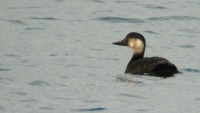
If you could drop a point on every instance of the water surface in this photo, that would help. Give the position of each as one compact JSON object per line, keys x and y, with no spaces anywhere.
{"x":57,"y":56}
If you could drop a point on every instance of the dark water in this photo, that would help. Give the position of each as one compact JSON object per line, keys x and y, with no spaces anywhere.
{"x":57,"y":56}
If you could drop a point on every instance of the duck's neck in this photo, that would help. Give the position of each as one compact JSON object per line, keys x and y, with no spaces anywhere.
{"x":133,"y":59}
{"x":136,"y":57}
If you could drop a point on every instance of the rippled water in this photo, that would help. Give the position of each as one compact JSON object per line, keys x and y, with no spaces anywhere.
{"x":56,"y":56}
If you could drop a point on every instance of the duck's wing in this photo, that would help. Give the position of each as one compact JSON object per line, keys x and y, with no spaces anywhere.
{"x":154,"y":62}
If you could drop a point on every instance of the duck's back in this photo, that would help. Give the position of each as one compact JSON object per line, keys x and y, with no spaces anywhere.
{"x":154,"y":66}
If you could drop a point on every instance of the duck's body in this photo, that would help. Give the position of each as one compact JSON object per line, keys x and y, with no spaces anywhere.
{"x":153,"y":66}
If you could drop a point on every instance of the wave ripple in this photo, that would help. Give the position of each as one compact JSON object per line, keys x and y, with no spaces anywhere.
{"x":173,"y":18}
{"x":119,"y":20}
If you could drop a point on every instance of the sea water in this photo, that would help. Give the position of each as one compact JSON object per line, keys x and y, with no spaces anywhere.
{"x":56,"y":56}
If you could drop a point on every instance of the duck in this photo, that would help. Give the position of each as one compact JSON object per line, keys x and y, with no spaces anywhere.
{"x":140,"y":65}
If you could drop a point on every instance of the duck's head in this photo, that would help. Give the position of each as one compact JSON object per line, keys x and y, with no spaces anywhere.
{"x":135,"y":41}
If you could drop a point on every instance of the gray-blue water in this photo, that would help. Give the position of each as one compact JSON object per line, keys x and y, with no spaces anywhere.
{"x":56,"y":56}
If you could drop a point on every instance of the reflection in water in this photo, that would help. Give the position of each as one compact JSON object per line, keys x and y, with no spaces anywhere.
{"x":128,"y":79}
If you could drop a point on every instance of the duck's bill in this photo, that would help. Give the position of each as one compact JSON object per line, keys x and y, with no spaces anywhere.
{"x":121,"y":43}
